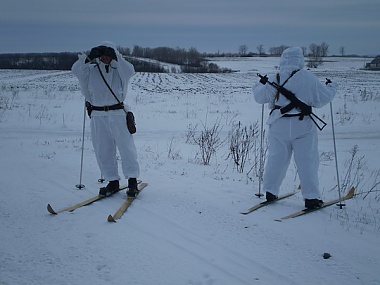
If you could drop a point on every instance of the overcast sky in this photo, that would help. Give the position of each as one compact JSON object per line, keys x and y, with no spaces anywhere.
{"x":208,"y":25}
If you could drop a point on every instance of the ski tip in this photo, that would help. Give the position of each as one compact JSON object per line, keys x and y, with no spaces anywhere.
{"x":111,"y":219}
{"x":351,"y":193}
{"x":51,"y":210}
{"x":143,"y":184}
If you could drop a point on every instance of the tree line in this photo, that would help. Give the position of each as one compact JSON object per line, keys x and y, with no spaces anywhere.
{"x":188,"y":61}
{"x":321,"y":50}
{"x":315,"y":54}
{"x":178,"y":56}
{"x":38,"y":61}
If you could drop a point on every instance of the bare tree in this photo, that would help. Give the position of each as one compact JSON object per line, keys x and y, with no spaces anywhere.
{"x":124,"y":50}
{"x":260,"y":49}
{"x":315,"y":56}
{"x":138,"y":51}
{"x":243,"y":49}
{"x":304,"y":49}
{"x":342,"y":51}
{"x":324,"y":49}
{"x":314,"y":50}
{"x":277,"y":50}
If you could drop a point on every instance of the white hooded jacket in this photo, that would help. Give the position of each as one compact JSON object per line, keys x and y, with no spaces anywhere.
{"x":304,"y":84}
{"x":117,"y":75}
{"x":289,"y":136}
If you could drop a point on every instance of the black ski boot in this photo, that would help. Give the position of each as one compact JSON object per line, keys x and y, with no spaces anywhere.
{"x":111,"y":188}
{"x":132,"y":188}
{"x":313,"y":203}
{"x":270,"y":197}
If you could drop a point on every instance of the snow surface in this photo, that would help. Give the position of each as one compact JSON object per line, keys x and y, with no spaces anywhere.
{"x":186,"y":226}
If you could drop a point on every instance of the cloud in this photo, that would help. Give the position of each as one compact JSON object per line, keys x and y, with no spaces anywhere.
{"x":215,"y":24}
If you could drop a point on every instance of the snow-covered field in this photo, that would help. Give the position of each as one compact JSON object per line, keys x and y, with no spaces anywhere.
{"x":186,"y":226}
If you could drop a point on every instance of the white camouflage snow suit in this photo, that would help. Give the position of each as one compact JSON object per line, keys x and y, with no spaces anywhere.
{"x":108,"y":128}
{"x":288,"y":135}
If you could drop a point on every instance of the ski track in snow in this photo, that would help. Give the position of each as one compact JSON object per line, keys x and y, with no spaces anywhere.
{"x":185,"y":227}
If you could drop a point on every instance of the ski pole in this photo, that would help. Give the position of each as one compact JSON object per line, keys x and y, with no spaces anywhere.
{"x":80,"y":185}
{"x":101,"y":179}
{"x":261,"y":151}
{"x":341,"y":205}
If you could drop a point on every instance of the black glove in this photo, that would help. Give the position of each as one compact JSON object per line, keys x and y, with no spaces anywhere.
{"x":97,"y":52}
{"x":94,"y":53}
{"x":263,"y":79}
{"x":110,"y":52}
{"x":328,"y":81}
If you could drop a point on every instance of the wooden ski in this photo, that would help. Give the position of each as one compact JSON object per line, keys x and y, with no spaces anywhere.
{"x":123,"y":208}
{"x":349,"y":195}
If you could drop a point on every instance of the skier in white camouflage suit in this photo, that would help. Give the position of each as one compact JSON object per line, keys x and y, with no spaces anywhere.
{"x":291,"y":132}
{"x":109,"y":130}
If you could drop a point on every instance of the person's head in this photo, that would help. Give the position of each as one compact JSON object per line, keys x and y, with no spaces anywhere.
{"x":292,"y":59}
{"x":109,"y":52}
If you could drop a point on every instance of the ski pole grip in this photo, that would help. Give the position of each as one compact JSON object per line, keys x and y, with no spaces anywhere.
{"x":263,"y":79}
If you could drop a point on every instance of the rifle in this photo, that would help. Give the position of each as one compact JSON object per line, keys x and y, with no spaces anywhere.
{"x":305,"y":110}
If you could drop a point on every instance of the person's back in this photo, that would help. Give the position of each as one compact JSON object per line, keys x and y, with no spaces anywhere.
{"x":292,"y":131}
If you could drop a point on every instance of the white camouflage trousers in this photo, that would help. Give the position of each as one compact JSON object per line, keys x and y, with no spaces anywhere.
{"x":289,"y":136}
{"x":110,"y":133}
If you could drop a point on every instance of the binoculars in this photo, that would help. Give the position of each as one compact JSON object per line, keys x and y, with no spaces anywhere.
{"x":102,"y":50}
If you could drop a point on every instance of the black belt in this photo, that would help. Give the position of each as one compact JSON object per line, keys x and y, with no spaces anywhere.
{"x":300,"y":115}
{"x":285,"y":109}
{"x":108,"y":108}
